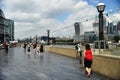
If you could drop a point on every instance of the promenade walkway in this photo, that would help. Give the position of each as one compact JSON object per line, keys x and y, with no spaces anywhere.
{"x":18,"y":65}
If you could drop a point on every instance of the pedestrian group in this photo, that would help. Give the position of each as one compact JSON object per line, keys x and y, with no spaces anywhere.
{"x":38,"y":48}
{"x":87,"y":56}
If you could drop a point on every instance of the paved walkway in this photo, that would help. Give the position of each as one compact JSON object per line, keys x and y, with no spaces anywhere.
{"x":18,"y":65}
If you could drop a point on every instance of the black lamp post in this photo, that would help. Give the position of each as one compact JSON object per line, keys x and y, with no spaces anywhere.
{"x":36,"y":39}
{"x":100,"y":8}
{"x":48,"y":32}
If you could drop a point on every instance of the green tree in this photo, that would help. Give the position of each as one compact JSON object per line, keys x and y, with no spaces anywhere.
{"x":116,"y":38}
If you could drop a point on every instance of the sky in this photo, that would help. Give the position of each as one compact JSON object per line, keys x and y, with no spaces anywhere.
{"x":35,"y":17}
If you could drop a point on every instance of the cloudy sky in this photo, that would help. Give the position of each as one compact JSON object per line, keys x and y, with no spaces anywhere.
{"x":34,"y":17}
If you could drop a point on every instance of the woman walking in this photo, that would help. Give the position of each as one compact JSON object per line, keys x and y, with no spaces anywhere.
{"x":38,"y":49}
{"x":87,"y":59}
{"x":41,"y":48}
{"x":28,"y":48}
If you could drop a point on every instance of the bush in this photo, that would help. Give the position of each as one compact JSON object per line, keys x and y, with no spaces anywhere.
{"x":116,"y":38}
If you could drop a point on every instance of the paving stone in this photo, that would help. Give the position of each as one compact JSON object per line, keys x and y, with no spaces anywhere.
{"x":18,"y":65}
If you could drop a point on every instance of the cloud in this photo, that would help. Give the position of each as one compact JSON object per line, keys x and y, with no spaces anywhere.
{"x":95,"y":1}
{"x":34,"y":17}
{"x":116,"y":17}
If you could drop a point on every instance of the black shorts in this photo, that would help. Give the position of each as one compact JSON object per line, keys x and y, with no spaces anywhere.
{"x":87,"y":63}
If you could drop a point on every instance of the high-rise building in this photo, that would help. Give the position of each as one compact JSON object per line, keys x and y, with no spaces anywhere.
{"x":115,"y":28}
{"x":11,"y":29}
{"x":96,"y":27}
{"x":118,"y":25}
{"x":5,"y":28}
{"x":110,"y":28}
{"x":77,"y":31}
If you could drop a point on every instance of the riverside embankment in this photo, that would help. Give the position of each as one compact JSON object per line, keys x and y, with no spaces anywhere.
{"x":104,"y":64}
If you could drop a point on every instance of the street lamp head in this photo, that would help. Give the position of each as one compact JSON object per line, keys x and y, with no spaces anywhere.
{"x":100,"y":7}
{"x":48,"y":30}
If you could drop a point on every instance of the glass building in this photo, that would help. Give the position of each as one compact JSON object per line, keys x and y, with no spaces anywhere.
{"x":11,"y":29}
{"x":78,"y":32}
{"x":5,"y":28}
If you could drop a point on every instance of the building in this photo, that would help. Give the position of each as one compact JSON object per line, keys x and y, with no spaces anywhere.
{"x":78,"y":32}
{"x":118,"y":24}
{"x":89,"y":36}
{"x":96,"y":27}
{"x":3,"y":27}
{"x":110,"y":29}
{"x":6,"y":28}
{"x":11,"y":29}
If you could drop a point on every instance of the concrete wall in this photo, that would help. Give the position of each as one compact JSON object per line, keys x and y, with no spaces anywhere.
{"x":108,"y":66}
{"x":62,"y":51}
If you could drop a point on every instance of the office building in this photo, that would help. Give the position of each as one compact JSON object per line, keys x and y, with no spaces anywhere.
{"x":11,"y":29}
{"x":78,"y":32}
{"x":6,"y":28}
{"x":118,"y":25}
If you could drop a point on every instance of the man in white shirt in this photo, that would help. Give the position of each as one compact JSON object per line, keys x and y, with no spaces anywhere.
{"x":79,"y":52}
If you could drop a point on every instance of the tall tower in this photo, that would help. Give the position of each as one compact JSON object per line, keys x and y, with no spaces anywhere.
{"x":118,"y":24}
{"x":77,"y":31}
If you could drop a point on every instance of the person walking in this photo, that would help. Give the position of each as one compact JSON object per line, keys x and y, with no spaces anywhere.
{"x":38,"y":49}
{"x":25,"y":45}
{"x":28,"y":48}
{"x":6,"y":47}
{"x":79,"y":52}
{"x":41,"y":48}
{"x":87,"y":59}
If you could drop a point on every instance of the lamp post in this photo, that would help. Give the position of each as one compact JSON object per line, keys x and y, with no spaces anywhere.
{"x":30,"y":39}
{"x":48,"y":33}
{"x":100,"y":8}
{"x":36,"y":39}
{"x":4,"y":34}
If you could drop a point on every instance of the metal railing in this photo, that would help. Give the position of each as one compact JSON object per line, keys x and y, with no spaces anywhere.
{"x":107,"y":49}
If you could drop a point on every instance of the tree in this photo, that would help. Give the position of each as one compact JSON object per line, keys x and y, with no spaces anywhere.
{"x":116,"y":38}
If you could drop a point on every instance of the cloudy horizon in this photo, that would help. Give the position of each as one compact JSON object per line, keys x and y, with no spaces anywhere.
{"x":34,"y":17}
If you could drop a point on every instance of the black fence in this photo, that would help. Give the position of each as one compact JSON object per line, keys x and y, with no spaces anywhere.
{"x":101,"y":45}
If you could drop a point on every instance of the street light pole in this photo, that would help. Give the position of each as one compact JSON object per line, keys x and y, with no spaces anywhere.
{"x":100,"y":8}
{"x":48,"y":33}
{"x":36,"y":39}
{"x":30,"y":39}
{"x":4,"y":34}
{"x":101,"y":34}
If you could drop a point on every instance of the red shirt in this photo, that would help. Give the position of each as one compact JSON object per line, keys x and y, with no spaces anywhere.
{"x":88,"y":54}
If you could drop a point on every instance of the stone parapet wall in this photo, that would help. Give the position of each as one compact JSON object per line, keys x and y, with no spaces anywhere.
{"x":63,"y":51}
{"x":107,"y":65}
